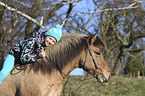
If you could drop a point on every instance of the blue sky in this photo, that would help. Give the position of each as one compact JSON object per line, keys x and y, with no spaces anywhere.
{"x":78,"y":71}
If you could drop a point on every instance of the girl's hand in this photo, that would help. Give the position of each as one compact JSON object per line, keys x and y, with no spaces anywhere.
{"x":42,"y":54}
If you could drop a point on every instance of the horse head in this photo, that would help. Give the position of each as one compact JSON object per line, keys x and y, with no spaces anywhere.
{"x":93,"y":61}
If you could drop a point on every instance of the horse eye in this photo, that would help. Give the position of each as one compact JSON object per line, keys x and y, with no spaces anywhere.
{"x":98,"y":53}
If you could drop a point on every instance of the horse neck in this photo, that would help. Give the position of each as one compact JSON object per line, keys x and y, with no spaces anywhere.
{"x":72,"y":64}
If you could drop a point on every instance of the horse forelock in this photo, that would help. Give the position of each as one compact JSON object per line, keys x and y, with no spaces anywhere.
{"x":61,"y":53}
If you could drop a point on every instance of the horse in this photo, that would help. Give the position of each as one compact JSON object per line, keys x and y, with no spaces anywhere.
{"x":45,"y":77}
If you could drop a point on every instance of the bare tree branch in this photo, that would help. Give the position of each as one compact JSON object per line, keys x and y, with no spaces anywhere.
{"x":40,"y":24}
{"x":22,"y":3}
{"x":134,"y":50}
{"x":131,"y":6}
{"x":135,"y":58}
{"x":21,"y":13}
{"x":140,"y":1}
{"x":68,"y":13}
{"x":63,"y":2}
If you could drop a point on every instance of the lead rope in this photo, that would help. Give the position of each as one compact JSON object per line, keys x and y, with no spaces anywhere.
{"x":19,"y":70}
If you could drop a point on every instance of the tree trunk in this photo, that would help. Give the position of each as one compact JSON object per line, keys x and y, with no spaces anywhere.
{"x":117,"y":67}
{"x":117,"y":64}
{"x":2,"y":13}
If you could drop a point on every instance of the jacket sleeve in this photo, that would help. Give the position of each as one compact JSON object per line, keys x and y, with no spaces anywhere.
{"x":28,"y":55}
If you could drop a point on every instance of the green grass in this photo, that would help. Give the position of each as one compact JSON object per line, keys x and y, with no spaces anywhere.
{"x":117,"y":86}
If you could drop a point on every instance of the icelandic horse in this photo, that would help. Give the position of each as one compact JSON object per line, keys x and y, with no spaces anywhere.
{"x":45,"y":77}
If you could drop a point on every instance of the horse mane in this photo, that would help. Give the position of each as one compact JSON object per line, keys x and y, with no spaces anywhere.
{"x":61,"y":53}
{"x":70,"y":46}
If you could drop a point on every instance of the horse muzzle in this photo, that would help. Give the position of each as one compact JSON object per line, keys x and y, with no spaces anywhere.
{"x":101,"y":78}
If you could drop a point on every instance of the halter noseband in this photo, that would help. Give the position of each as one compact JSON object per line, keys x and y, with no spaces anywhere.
{"x":101,"y":73}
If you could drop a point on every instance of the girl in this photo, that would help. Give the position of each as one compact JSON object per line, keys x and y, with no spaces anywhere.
{"x":30,"y":50}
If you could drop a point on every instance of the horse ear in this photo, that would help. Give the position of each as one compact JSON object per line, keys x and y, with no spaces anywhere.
{"x":94,"y":38}
{"x":99,"y":43}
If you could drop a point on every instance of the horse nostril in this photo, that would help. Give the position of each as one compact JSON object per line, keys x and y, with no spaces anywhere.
{"x":106,"y":80}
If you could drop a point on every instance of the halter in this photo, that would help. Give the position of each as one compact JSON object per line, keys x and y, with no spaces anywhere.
{"x":101,"y":73}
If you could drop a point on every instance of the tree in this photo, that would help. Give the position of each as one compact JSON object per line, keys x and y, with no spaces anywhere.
{"x":134,"y":62}
{"x":121,"y":29}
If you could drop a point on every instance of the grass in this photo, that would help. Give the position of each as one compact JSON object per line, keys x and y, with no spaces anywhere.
{"x":117,"y":86}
